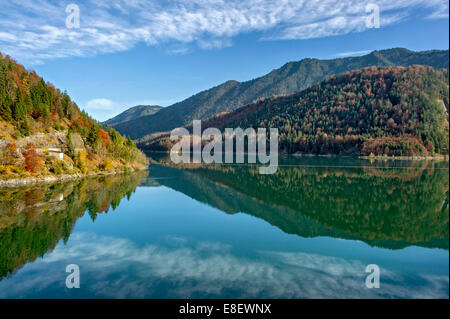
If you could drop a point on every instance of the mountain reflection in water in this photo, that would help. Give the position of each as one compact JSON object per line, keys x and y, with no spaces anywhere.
{"x":225,"y":231}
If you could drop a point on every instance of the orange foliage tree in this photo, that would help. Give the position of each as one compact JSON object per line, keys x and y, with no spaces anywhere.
{"x":103,"y":135}
{"x":33,"y":162}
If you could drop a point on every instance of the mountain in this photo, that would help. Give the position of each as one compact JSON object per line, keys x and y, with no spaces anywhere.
{"x":380,"y":111}
{"x":133,"y":113}
{"x":43,"y":132}
{"x":290,"y":78}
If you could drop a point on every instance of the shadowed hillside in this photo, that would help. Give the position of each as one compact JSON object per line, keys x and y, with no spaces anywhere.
{"x":133,"y":113}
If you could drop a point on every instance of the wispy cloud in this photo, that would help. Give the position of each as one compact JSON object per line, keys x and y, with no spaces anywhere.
{"x":352,"y":53}
{"x":101,"y":104}
{"x":35,"y":31}
{"x":102,"y":108}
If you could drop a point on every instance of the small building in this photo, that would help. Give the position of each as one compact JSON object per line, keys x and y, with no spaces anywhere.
{"x":56,"y":152}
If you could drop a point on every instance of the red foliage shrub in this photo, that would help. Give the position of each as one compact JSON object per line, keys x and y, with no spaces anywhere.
{"x":103,"y":135}
{"x":33,"y":162}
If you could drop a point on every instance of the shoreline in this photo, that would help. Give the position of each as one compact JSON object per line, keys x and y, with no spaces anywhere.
{"x":377,"y":157}
{"x":414,"y":158}
{"x":25,"y":181}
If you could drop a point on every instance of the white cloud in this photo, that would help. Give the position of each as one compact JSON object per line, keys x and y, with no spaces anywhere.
{"x":101,"y":105}
{"x":34,"y":31}
{"x":101,"y":108}
{"x":209,"y":44}
{"x":352,"y":53}
{"x":440,"y":11}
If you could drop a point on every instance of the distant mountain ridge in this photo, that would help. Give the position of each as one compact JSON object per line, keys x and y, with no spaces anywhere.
{"x":290,"y":78}
{"x":133,"y":113}
{"x":389,"y":111}
{"x":384,"y":111}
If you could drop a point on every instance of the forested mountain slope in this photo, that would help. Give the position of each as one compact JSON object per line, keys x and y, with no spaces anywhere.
{"x":290,"y":78}
{"x":379,"y":111}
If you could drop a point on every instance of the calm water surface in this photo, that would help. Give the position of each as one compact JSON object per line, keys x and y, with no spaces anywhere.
{"x":224,"y":231}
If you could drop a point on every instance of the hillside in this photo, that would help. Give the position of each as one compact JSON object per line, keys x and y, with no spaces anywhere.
{"x":379,"y":111}
{"x":290,"y":78}
{"x":43,"y":132}
{"x":133,"y":113}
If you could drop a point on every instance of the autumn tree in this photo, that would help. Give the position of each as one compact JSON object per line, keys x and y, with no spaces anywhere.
{"x":33,"y":162}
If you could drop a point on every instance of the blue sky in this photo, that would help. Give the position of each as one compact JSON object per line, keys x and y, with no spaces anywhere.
{"x":129,"y":52}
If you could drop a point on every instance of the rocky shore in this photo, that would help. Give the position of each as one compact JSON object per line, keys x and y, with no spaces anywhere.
{"x":16,"y":182}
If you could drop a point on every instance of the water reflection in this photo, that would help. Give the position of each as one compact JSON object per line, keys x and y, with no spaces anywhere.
{"x":381,"y":203}
{"x":119,"y":268}
{"x":225,"y":231}
{"x":33,"y":219}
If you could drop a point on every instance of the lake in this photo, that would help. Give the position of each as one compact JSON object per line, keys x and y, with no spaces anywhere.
{"x":225,"y":231}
